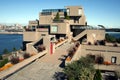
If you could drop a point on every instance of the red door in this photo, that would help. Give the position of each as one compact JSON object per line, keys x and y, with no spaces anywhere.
{"x":51,"y":48}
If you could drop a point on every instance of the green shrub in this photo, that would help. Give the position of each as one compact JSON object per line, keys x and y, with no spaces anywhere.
{"x":118,"y":40}
{"x":5,"y":51}
{"x":115,"y":45}
{"x":14,"y":60}
{"x":97,"y":75}
{"x":2,"y":63}
{"x":66,"y":16}
{"x":110,"y":38}
{"x":82,"y":69}
{"x":99,"y":60}
{"x":14,"y":49}
{"x":26,"y":55}
{"x":1,"y":57}
{"x":57,"y":17}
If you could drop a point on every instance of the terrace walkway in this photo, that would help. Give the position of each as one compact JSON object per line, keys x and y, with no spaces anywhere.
{"x":58,"y":56}
{"x":43,"y":68}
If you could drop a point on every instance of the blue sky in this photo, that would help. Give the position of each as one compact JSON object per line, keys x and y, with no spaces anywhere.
{"x":105,"y":12}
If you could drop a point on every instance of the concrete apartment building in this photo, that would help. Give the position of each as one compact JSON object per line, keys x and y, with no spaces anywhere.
{"x":69,"y":24}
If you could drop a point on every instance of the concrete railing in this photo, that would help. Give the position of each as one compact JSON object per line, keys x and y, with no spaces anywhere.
{"x":61,"y":43}
{"x":107,"y":67}
{"x":37,"y":41}
{"x":101,"y":48}
{"x":80,"y":35}
{"x":15,"y":68}
{"x":75,"y":57}
{"x":28,"y":36}
{"x":31,"y":48}
{"x":42,"y":29}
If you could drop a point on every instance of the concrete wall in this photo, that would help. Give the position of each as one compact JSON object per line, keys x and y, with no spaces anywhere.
{"x":42,"y":29}
{"x":29,"y":36}
{"x":33,"y":36}
{"x":93,"y":35}
{"x":46,"y":43}
{"x":74,"y":10}
{"x":30,"y":48}
{"x":45,"y":19}
{"x":82,"y":20}
{"x":106,"y":51}
{"x":63,"y":28}
{"x":61,"y":14}
{"x":31,"y":23}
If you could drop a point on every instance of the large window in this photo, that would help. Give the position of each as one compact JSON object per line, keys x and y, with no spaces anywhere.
{"x":54,"y":28}
{"x":79,"y":11}
{"x":113,"y":59}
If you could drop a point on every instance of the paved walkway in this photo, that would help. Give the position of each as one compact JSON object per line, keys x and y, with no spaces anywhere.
{"x":36,"y":71}
{"x":43,"y":68}
{"x":58,"y":56}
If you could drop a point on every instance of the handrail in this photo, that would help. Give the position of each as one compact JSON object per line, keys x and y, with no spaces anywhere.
{"x":80,"y":35}
{"x":35,"y":43}
{"x":61,"y":43}
{"x":101,"y":48}
{"x":76,"y":56}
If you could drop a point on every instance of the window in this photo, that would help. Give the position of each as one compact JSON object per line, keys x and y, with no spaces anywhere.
{"x":79,"y":11}
{"x":68,"y":11}
{"x":54,"y":29}
{"x":113,"y":59}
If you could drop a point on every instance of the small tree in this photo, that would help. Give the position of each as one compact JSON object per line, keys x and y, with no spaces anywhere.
{"x":66,"y":16}
{"x":5,"y":51}
{"x":3,"y":62}
{"x":14,"y":49}
{"x":26,"y":55}
{"x":57,"y":16}
{"x":97,"y":75}
{"x":1,"y":57}
{"x":99,"y":60}
{"x":110,"y":38}
{"x":14,"y":60}
{"x":82,"y":69}
{"x":117,"y":71}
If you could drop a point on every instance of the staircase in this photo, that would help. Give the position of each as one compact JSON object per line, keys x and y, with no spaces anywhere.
{"x":80,"y":35}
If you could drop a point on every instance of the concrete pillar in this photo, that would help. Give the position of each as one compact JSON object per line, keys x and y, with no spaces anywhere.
{"x":46,"y":43}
